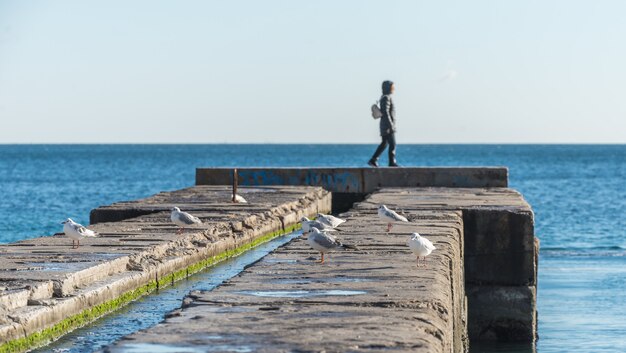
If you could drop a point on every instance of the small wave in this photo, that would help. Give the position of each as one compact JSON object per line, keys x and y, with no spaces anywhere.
{"x":595,"y":251}
{"x":586,"y":249}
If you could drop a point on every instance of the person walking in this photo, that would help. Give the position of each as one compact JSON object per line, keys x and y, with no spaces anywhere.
{"x":387,"y":127}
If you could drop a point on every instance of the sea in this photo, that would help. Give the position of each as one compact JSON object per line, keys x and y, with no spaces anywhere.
{"x":578,"y":194}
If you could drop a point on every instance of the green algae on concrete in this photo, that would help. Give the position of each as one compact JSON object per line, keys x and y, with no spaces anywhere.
{"x":201,"y":265}
{"x":87,"y":316}
{"x":73,"y":322}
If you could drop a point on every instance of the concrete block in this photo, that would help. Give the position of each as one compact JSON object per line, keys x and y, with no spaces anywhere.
{"x":358,"y":180}
{"x":502,"y":313}
{"x":41,"y":290}
{"x":14,"y":298}
{"x":494,"y":231}
{"x":500,"y":246}
{"x":502,"y":269}
{"x":467,"y":177}
{"x":9,"y":328}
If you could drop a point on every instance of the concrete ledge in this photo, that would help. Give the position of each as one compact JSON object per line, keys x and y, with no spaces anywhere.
{"x":371,"y":300}
{"x":501,"y":313}
{"x":213,"y":200}
{"x":500,"y":252}
{"x":358,"y":180}
{"x":498,"y":225}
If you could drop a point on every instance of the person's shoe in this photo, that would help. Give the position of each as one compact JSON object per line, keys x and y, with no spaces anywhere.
{"x":372,"y":163}
{"x":395,"y":165}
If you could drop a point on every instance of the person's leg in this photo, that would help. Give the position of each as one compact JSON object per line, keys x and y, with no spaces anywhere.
{"x":379,"y":151}
{"x":391,"y":138}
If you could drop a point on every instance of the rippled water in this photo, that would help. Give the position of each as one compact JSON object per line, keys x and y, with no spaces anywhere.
{"x":578,"y":194}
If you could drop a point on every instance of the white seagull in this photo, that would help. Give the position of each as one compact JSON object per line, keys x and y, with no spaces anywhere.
{"x":390,"y":216}
{"x":183,"y":219}
{"x":238,"y":199}
{"x":324,"y":243}
{"x":420,"y":246}
{"x":330,"y":220}
{"x":308,"y":225}
{"x":76,"y":232}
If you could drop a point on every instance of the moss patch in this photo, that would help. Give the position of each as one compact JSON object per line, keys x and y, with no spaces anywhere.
{"x":50,"y":334}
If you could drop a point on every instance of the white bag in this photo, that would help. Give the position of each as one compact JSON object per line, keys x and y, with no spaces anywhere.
{"x":376,"y":113}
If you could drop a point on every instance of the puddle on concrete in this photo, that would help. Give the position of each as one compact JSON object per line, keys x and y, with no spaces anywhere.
{"x":159,"y":348}
{"x":293,"y":281}
{"x":278,"y":294}
{"x":59,"y":266}
{"x":108,"y":255}
{"x":350,"y":279}
{"x":167,"y":348}
{"x":253,"y":190}
{"x":303,"y":293}
{"x":32,"y":268}
{"x":322,"y":280}
{"x":228,"y":348}
{"x":57,"y":263}
{"x":280,"y":261}
{"x":150,"y":310}
{"x":231,"y":309}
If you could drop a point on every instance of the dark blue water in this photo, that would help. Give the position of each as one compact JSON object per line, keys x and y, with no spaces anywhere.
{"x":578,"y":194}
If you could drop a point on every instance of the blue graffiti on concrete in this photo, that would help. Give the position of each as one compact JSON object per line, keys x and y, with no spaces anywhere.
{"x":338,"y":180}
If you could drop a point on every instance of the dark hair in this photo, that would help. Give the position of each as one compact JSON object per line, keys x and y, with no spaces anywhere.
{"x":387,"y":86}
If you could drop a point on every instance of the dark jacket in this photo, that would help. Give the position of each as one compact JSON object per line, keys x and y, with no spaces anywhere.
{"x":388,"y":120}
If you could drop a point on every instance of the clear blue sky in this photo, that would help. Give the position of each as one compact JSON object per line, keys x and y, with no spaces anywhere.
{"x":308,"y":71}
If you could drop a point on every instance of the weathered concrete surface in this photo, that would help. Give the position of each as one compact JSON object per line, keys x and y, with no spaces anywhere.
{"x":215,"y":200}
{"x":373,"y":299}
{"x":501,"y":255}
{"x":501,"y":250}
{"x":359,"y":180}
{"x":48,"y":288}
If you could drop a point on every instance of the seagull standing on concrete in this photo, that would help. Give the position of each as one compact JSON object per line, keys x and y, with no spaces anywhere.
{"x":308,"y":225}
{"x":330,"y":220}
{"x":420,"y":246}
{"x":324,"y":243}
{"x":183,"y":219}
{"x":390,"y":216}
{"x":238,"y":199}
{"x":76,"y":232}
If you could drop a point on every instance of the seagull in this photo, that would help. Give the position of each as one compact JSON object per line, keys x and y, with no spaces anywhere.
{"x":183,"y":219}
{"x":390,"y":216}
{"x":238,"y":199}
{"x":420,"y":246}
{"x":77,"y":232}
{"x":330,"y":220}
{"x":308,"y":225}
{"x":323,"y":242}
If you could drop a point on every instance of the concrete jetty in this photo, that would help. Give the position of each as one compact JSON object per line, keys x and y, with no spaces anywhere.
{"x":371,"y":299}
{"x":48,"y":289}
{"x":500,"y":249}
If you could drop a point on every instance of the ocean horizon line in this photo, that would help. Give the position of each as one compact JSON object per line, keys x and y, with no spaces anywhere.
{"x":310,"y":143}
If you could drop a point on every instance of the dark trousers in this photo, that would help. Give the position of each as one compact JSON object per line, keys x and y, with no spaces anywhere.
{"x":387,"y":139}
